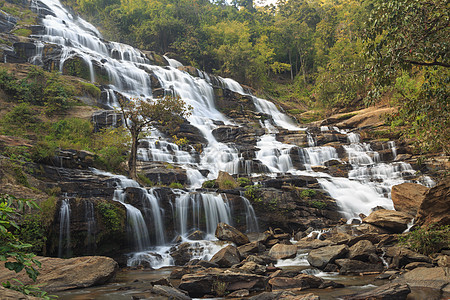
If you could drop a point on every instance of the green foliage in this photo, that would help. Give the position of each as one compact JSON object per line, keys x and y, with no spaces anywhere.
{"x":32,"y":232}
{"x":144,"y":180}
{"x":219,"y":288}
{"x":22,"y":32}
{"x":29,"y":290}
{"x":48,"y":209}
{"x":14,"y":252}
{"x":306,"y":193}
{"x":91,"y":89}
{"x":209,"y":184}
{"x":317,"y":204}
{"x":244,"y":181}
{"x":253,"y":193}
{"x":228,"y":184}
{"x":110,"y":216}
{"x":20,"y":176}
{"x":176,"y":185}
{"x":19,"y":120}
{"x":427,"y":239}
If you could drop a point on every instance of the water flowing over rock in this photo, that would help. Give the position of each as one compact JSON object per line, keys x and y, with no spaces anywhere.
{"x":319,"y":258}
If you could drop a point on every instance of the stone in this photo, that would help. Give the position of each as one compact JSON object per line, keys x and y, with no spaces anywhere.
{"x":251,"y":248}
{"x":361,"y":250}
{"x":225,"y":232}
{"x":181,"y":254}
{"x":251,"y":267}
{"x":408,"y":196}
{"x":170,"y":292}
{"x":371,"y":229}
{"x":385,"y":292}
{"x":350,"y":266}
{"x":58,"y":274}
{"x":226,"y":257}
{"x":434,"y":278}
{"x":280,"y":251}
{"x":417,"y":264}
{"x":391,"y":220}
{"x":314,"y":244}
{"x":226,"y":182}
{"x":195,"y":236}
{"x":319,"y":258}
{"x":198,"y":285}
{"x":239,"y":294}
{"x":261,"y":259}
{"x":283,"y":283}
{"x":435,"y":208}
{"x":403,"y":256}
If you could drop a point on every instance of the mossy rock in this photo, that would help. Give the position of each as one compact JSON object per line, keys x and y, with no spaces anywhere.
{"x":76,"y":66}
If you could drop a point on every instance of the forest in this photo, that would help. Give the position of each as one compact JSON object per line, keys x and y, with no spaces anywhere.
{"x":324,"y":54}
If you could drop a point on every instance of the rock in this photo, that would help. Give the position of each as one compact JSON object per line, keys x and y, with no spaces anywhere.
{"x":8,"y":294}
{"x":319,"y":258}
{"x":284,"y":283}
{"x":280,"y":251}
{"x":252,"y":268}
{"x":195,"y":236}
{"x":170,"y":292}
{"x":434,"y":278}
{"x":261,"y":259}
{"x":182,"y":254}
{"x":285,"y":295}
{"x":226,"y":182}
{"x":408,"y":196}
{"x":198,"y":285}
{"x":225,"y":232}
{"x":362,"y":250}
{"x":226,"y":257}
{"x":371,"y":229}
{"x":391,"y":220}
{"x":385,"y":292}
{"x":59,"y":274}
{"x":314,"y":244}
{"x":253,"y":247}
{"x":105,"y":119}
{"x":239,"y":294}
{"x":434,"y":208}
{"x":350,"y":266}
{"x":418,"y":264}
{"x":403,"y":256}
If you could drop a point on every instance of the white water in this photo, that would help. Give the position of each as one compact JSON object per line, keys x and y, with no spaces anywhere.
{"x":64,"y":229}
{"x":91,"y":224}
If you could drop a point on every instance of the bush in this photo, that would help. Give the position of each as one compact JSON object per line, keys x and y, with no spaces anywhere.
{"x":176,"y":185}
{"x":110,"y":158}
{"x":20,"y":119}
{"x":110,"y":216}
{"x":318,"y":204}
{"x":244,"y":181}
{"x":307,"y":193}
{"x":144,"y":180}
{"x":32,"y":232}
{"x":427,"y":239}
{"x":209,"y":184}
{"x":253,"y":192}
{"x":91,"y":89}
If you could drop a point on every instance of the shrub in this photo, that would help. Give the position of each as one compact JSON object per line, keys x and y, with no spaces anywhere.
{"x":244,"y":181}
{"x":176,"y":185}
{"x":110,"y":216}
{"x":253,"y":192}
{"x":228,"y":184}
{"x":427,"y":239}
{"x":144,"y":180}
{"x":209,"y":184}
{"x":307,"y":193}
{"x":32,"y":232}
{"x":110,"y":158}
{"x":91,"y":89}
{"x":318,"y":204}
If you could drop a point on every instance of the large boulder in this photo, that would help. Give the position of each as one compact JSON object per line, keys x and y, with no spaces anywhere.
{"x":58,"y":274}
{"x":408,"y":196}
{"x":226,"y":182}
{"x":299,"y":282}
{"x":281,"y":251}
{"x":362,"y":250}
{"x":169,"y":292}
{"x":350,"y":266}
{"x":8,"y":294}
{"x":399,"y":257}
{"x":250,"y":248}
{"x":435,"y":278}
{"x":391,"y":220}
{"x":385,"y":292}
{"x":319,"y":258}
{"x":226,"y":257}
{"x":434,"y":208}
{"x":225,"y":232}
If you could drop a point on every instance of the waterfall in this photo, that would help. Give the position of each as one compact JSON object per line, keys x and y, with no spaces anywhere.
{"x":64,"y":229}
{"x":251,"y":220}
{"x":89,"y":215}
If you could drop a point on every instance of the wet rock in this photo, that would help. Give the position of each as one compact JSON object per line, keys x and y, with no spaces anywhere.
{"x":435,"y":278}
{"x":170,"y":292}
{"x":225,"y":232}
{"x":362,"y":250}
{"x":371,"y":229}
{"x":181,"y":254}
{"x":394,"y":221}
{"x":253,"y":247}
{"x":178,"y":273}
{"x":350,"y":266}
{"x":226,"y":257}
{"x":284,"y":283}
{"x":106,"y":119}
{"x":198,"y":285}
{"x":162,"y":174}
{"x":319,"y":258}
{"x":280,"y":251}
{"x":434,"y":208}
{"x":408,"y":196}
{"x":195,"y":236}
{"x":58,"y":274}
{"x":385,"y":292}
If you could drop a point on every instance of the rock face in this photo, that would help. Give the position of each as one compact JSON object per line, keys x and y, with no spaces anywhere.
{"x":7,"y":294}
{"x":435,"y":278}
{"x":435,"y":207}
{"x":225,"y":232}
{"x":319,"y":258}
{"x":281,"y":251}
{"x":362,"y":250}
{"x":59,"y":274}
{"x":408,"y":196}
{"x":394,"y":221}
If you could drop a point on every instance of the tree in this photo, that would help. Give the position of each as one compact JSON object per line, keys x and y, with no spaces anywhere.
{"x":167,"y":112}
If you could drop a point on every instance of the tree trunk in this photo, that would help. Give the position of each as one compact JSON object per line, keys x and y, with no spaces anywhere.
{"x":133,"y":155}
{"x":290,"y":62}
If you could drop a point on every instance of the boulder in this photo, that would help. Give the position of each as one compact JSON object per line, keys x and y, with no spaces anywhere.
{"x":394,"y":221}
{"x":313,"y":244}
{"x":319,"y":258}
{"x":226,"y":257}
{"x":213,"y":283}
{"x":286,"y":283}
{"x":350,"y":266}
{"x":181,"y":254}
{"x":385,"y":292}
{"x":226,"y":182}
{"x":280,"y":251}
{"x":250,"y":248}
{"x":169,"y":292}
{"x":400,"y":256}
{"x":239,"y":294}
{"x":435,"y":278}
{"x":408,"y":196}
{"x":225,"y":232}
{"x":251,"y":267}
{"x":434,"y":208}
{"x":58,"y":274}
{"x":8,"y":294}
{"x":362,"y":250}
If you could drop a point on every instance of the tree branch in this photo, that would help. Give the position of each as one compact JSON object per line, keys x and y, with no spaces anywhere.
{"x":421,"y":63}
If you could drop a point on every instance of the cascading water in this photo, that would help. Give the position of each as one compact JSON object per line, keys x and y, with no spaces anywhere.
{"x":90,"y":221}
{"x":128,"y":72}
{"x":64,"y":229}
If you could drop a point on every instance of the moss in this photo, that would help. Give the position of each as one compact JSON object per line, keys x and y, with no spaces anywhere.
{"x":77,"y":67}
{"x":91,"y":89}
{"x":48,"y":208}
{"x":22,"y":32}
{"x":176,"y":185}
{"x":144,"y":180}
{"x":110,"y":216}
{"x":295,"y":111}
